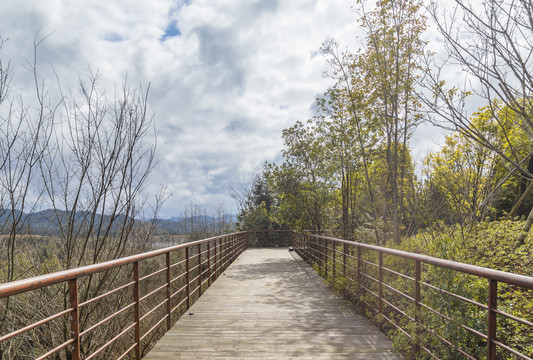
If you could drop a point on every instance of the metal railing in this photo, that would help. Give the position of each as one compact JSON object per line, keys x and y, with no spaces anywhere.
{"x":428,"y":300}
{"x":162,"y":285}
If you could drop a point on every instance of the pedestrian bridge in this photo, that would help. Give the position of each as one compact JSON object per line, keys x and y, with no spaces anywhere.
{"x":245,"y":296}
{"x":270,"y":305}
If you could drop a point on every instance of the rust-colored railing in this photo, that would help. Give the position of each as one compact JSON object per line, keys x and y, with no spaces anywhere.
{"x":176,"y":275}
{"x":427,"y":299}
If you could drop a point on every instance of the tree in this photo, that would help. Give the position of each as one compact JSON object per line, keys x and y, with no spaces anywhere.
{"x":391,"y":67}
{"x":340,"y":148}
{"x":461,"y":171}
{"x":492,"y":44}
{"x":87,"y":157}
{"x":256,"y":205}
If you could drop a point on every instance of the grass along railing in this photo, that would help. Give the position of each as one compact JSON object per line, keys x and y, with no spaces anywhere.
{"x":430,"y":307}
{"x":147,"y":293}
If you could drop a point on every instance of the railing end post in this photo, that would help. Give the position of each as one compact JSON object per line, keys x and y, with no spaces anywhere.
{"x":491,"y":319}
{"x":74,"y":318}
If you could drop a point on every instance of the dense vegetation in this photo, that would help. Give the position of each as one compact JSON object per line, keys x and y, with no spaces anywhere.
{"x":349,"y":169}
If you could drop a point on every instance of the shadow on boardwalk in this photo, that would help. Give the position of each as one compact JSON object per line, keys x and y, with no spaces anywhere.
{"x":270,"y":305}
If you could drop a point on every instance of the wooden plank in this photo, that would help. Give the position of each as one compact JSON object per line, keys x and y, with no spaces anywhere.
{"x":270,"y":305}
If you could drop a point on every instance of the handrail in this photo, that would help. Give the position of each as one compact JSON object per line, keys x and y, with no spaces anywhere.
{"x":200,"y":262}
{"x":510,"y":278}
{"x":19,"y":286}
{"x":397,"y":296}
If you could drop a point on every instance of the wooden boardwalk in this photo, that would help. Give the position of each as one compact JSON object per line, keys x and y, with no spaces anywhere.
{"x":269,"y":304}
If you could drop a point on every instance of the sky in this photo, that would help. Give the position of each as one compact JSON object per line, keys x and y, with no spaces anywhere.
{"x":225,"y":76}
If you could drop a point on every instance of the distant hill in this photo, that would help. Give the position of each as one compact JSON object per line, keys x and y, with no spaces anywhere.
{"x":47,"y":222}
{"x":181,"y":225}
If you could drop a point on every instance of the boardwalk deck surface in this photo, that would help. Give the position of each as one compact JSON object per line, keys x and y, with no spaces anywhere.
{"x":269,"y":304}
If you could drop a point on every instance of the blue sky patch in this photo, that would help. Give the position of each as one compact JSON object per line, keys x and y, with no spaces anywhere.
{"x":114,"y":37}
{"x":171,"y":30}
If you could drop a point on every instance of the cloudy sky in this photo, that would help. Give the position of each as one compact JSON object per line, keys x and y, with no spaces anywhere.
{"x":226,"y":76}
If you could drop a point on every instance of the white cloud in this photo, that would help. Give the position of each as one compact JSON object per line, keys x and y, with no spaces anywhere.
{"x":222,"y":89}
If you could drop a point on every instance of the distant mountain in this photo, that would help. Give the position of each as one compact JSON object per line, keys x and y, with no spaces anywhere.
{"x":47,"y":222}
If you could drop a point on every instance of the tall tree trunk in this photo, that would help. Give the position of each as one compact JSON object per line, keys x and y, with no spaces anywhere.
{"x":520,"y":240}
{"x":520,"y":201}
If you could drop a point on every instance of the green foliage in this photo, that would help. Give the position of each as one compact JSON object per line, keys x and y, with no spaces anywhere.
{"x":487,"y":244}
{"x":257,"y":207}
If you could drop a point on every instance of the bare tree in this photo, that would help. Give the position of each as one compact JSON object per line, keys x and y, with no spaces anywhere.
{"x":86,"y":156}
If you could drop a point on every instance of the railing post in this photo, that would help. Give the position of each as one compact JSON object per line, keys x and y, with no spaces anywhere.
{"x":334,"y":253}
{"x":216,"y":260}
{"x":293,"y":239}
{"x":344,"y":251}
{"x":325,"y":249}
{"x":167,"y":260}
{"x":232,"y":249}
{"x":417,"y":306}
{"x":199,"y":270}
{"x":491,"y":331}
{"x":74,"y":318}
{"x":359,"y":279}
{"x":208,"y":263}
{"x":380,"y":269}
{"x":225,"y":253}
{"x":187,"y":277}
{"x":137,"y":310}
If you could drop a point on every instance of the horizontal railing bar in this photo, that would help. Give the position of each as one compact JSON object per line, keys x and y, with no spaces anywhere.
{"x":56,"y":349}
{"x":178,"y":263}
{"x":396,"y":326}
{"x":429,"y":352}
{"x":127,"y":352}
{"x":370,"y":291}
{"x":447,"y":318}
{"x":154,"y":327}
{"x":370,"y":277}
{"x":34,"y":325}
{"x":179,"y":304}
{"x":106,"y":294}
{"x":492,"y":274}
{"x":512,"y":317}
{"x":369,"y":263}
{"x":511,"y":350}
{"x":153,"y":309}
{"x":106,"y":345}
{"x":398,"y":310}
{"x":473,"y":302}
{"x":153,"y":292}
{"x":370,"y":306}
{"x":179,"y":290}
{"x":398,"y":274}
{"x":19,"y":286}
{"x":152,"y":274}
{"x":393,"y":289}
{"x":447,"y":342}
{"x":194,"y":290}
{"x":178,"y":277}
{"x":106,"y":319}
